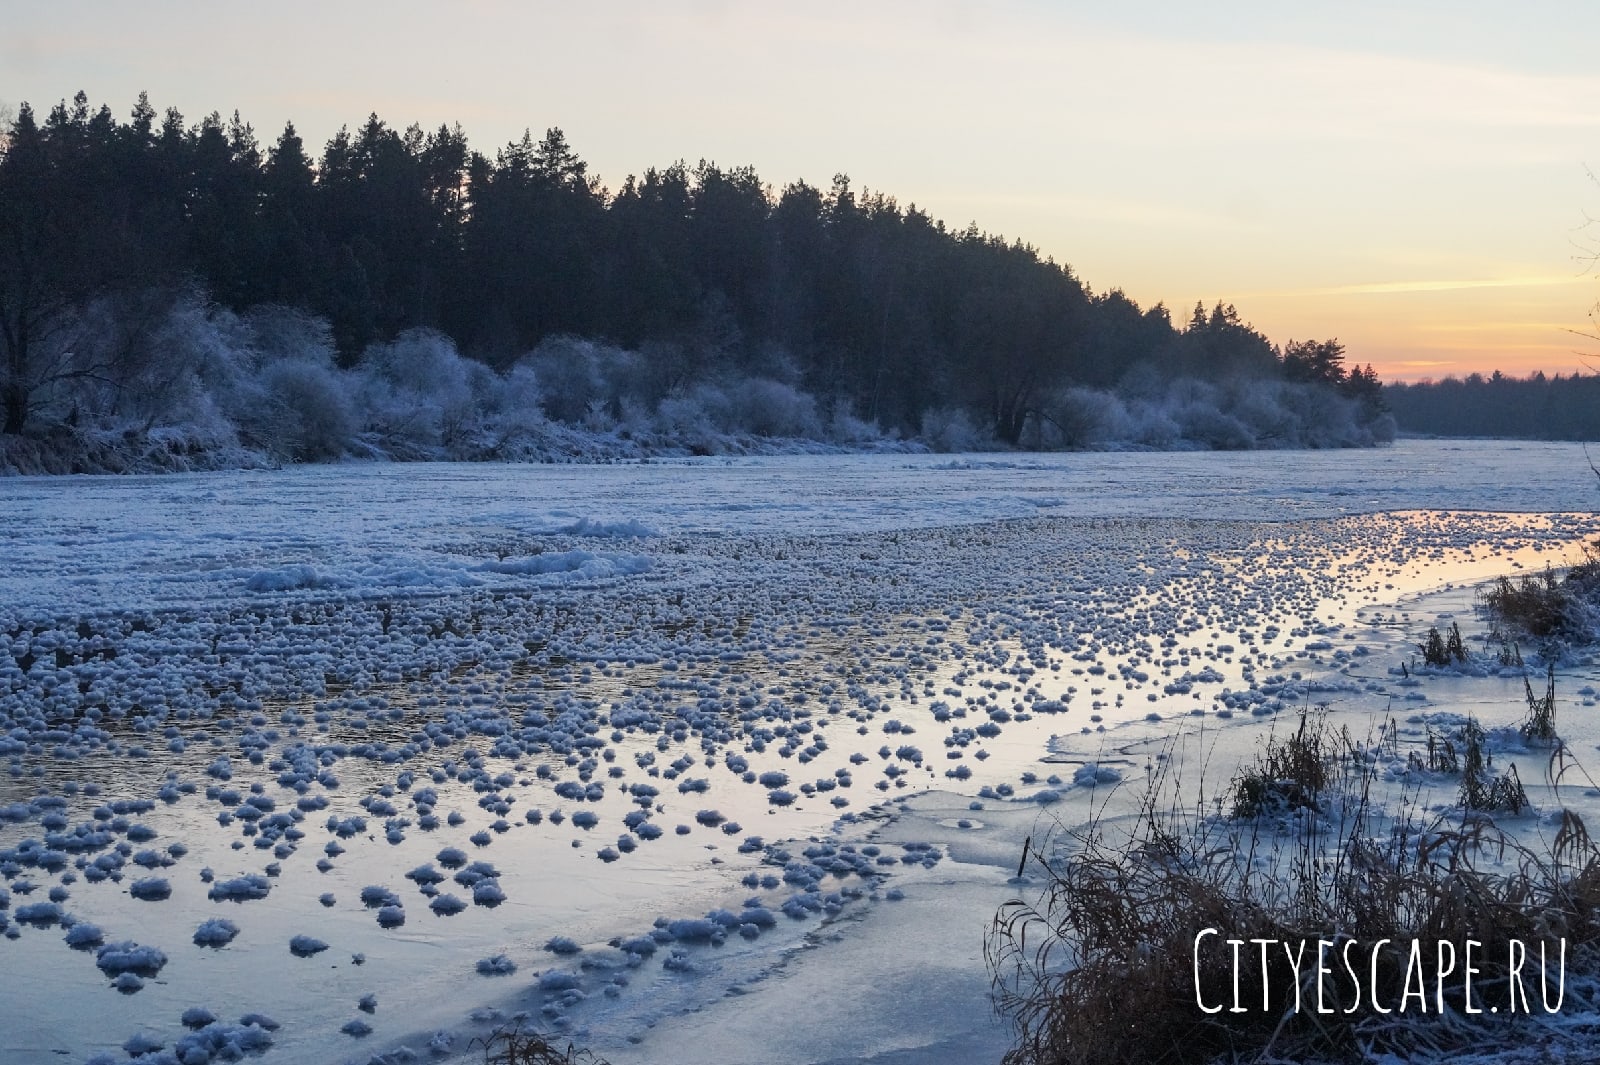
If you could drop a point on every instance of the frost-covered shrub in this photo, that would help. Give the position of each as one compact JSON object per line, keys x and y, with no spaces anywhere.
{"x":306,"y":413}
{"x":420,"y":397}
{"x":951,"y":429}
{"x":598,"y":416}
{"x":1081,"y":417}
{"x":766,"y":407}
{"x":568,"y":376}
{"x":1299,"y":414}
{"x":512,"y":416}
{"x":274,"y":377}
{"x":584,"y":381}
{"x":1210,"y":427}
{"x":1231,"y":415}
{"x":603,"y":388}
{"x":635,"y":419}
{"x":1149,"y":425}
{"x":278,"y":333}
{"x":519,"y":398}
{"x":693,"y":418}
{"x":189,"y":344}
{"x":418,"y":360}
{"x":105,"y":363}
{"x":845,"y":428}
{"x":135,"y":359}
{"x":164,"y":379}
{"x":1258,"y":405}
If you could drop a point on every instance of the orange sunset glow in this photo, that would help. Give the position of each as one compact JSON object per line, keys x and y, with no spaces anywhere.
{"x":1413,"y":182}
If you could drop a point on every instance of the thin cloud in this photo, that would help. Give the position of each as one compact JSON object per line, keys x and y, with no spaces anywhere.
{"x":1375,"y":288}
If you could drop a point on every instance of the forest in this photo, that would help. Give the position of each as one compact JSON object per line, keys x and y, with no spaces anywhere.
{"x":1536,"y":407}
{"x":188,"y":289}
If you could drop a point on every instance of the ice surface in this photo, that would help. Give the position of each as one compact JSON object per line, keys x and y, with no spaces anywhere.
{"x":139,"y":542}
{"x":322,"y":678}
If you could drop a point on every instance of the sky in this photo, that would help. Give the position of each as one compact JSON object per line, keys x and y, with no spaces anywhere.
{"x":1413,"y":178}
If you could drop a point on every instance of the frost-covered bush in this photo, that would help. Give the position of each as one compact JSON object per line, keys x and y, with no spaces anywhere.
{"x":1149,"y":425}
{"x":185,"y":342}
{"x":135,"y":360}
{"x":1081,"y":418}
{"x":513,"y":418}
{"x":569,"y":374}
{"x":1205,"y":424}
{"x":272,"y":374}
{"x":420,"y":398}
{"x":1299,"y":414}
{"x":305,"y":412}
{"x":845,"y":428}
{"x":1231,"y":415}
{"x":279,"y":333}
{"x":951,"y":429}
{"x":1259,"y":406}
{"x":766,"y":407}
{"x":163,"y":379}
{"x":585,"y":381}
{"x":694,"y":417}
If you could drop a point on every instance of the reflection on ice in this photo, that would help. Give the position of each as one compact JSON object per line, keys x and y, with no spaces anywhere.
{"x":634,"y":794}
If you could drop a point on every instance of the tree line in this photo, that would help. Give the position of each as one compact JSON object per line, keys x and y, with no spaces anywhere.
{"x":1536,"y":407}
{"x":704,"y":273}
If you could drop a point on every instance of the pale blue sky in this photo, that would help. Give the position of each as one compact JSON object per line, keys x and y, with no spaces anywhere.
{"x":1408,"y":177}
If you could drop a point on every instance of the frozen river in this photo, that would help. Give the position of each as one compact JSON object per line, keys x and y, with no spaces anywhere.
{"x":703,"y":751}
{"x":99,"y":542}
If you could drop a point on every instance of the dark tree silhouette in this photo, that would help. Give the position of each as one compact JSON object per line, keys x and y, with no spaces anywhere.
{"x":871,"y":307}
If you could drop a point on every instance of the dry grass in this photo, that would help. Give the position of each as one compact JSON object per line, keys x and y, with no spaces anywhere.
{"x":1544,"y":606}
{"x":1440,"y":651}
{"x":1482,"y":788}
{"x":1291,"y":773}
{"x":1536,"y":605}
{"x":1541,"y":724}
{"x":1102,"y":967}
{"x":513,"y":1046}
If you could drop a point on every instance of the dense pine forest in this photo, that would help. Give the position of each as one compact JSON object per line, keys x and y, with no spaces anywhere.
{"x":184,"y":294}
{"x":1526,"y":408}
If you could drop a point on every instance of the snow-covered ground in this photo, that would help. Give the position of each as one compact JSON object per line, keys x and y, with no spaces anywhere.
{"x":722,"y":760}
